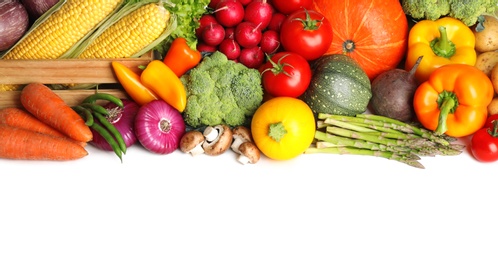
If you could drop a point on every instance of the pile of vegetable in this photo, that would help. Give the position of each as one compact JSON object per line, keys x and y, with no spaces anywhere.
{"x":387,"y":78}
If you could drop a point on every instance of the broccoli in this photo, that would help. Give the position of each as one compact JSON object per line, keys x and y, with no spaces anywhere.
{"x":221,"y":91}
{"x":467,"y":11}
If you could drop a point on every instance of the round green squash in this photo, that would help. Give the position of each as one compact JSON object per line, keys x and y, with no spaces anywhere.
{"x":338,"y":86}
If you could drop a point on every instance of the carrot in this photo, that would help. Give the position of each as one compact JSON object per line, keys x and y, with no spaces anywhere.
{"x":48,"y":107}
{"x":23,"y":144}
{"x":17,"y":117}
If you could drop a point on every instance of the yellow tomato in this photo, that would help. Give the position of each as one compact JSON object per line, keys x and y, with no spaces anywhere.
{"x":283,"y":127}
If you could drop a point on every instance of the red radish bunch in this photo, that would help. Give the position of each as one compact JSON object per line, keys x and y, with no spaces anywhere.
{"x":244,"y":30}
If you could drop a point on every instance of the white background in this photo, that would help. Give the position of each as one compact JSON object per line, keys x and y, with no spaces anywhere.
{"x":312,"y":207}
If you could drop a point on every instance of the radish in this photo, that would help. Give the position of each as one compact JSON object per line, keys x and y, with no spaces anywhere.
{"x":252,"y":57}
{"x":276,"y":21}
{"x":229,"y":12}
{"x":248,"y":34}
{"x":203,"y":47}
{"x":213,"y":34}
{"x":229,"y":33}
{"x":212,"y":4}
{"x":230,"y":48}
{"x":270,"y":41}
{"x":205,"y":20}
{"x":245,"y":2}
{"x":259,"y":12}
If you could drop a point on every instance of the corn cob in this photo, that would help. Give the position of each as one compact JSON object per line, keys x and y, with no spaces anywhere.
{"x":130,"y":34}
{"x":63,"y":29}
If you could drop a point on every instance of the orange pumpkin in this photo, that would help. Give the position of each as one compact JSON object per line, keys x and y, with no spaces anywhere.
{"x":372,"y":32}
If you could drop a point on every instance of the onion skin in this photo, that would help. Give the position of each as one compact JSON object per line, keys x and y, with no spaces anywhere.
{"x":123,"y":120}
{"x":36,"y":8}
{"x":159,"y":127}
{"x":14,"y":22}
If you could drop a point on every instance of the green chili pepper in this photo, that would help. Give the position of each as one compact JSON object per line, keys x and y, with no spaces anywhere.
{"x":103,"y":96}
{"x":96,"y":108}
{"x":85,"y":114}
{"x":113,"y":130}
{"x":109,"y":138}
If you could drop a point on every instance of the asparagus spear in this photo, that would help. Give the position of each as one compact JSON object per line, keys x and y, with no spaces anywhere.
{"x":380,"y":136}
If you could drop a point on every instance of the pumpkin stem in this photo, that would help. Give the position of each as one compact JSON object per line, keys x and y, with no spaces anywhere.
{"x":310,"y":24}
{"x":348,"y":46}
{"x":277,"y":131}
{"x":442,"y":46}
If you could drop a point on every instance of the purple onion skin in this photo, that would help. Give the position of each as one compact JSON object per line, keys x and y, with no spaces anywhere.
{"x":37,"y":8}
{"x":159,"y":127}
{"x":14,"y":22}
{"x":123,"y":120}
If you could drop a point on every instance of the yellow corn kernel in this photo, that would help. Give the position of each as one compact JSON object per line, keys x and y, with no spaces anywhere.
{"x":130,"y":34}
{"x":64,"y":28}
{"x":10,"y":87}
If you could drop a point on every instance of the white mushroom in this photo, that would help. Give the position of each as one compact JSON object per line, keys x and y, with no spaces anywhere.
{"x":191,"y":142}
{"x":248,"y":153}
{"x":241,"y":134}
{"x":217,"y":139}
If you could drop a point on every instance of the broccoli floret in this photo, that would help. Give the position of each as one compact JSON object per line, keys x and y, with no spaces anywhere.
{"x":221,"y":91}
{"x":466,"y":11}
{"x":426,"y":9}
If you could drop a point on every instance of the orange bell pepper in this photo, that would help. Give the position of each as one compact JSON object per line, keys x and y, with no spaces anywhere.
{"x":159,"y":78}
{"x":132,"y":85}
{"x":180,"y":57}
{"x":443,"y":41}
{"x":454,"y":100}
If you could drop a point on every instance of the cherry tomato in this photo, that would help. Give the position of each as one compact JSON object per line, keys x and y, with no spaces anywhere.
{"x":285,"y":74}
{"x":306,"y":32}
{"x":484,"y":142}
{"x":489,"y":121}
{"x":289,"y":6}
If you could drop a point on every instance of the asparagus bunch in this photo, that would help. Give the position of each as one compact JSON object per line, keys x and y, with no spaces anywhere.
{"x":375,"y":135}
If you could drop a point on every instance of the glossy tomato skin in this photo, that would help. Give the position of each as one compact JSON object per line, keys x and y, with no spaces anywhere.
{"x":484,"y":142}
{"x":310,"y":36}
{"x":286,"y":74}
{"x":289,"y":6}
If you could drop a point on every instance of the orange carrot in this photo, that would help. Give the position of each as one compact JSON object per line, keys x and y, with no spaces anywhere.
{"x":22,"y":144}
{"x":52,"y":110}
{"x":17,"y":117}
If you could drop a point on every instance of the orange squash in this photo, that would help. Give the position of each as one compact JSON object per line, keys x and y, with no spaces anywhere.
{"x":372,"y":32}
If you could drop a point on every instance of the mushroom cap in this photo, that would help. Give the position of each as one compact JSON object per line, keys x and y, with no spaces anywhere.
{"x":249,"y":152}
{"x":190,"y":140}
{"x":242,"y":132}
{"x":221,"y":143}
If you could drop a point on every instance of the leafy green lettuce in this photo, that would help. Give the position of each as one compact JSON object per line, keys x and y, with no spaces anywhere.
{"x":188,"y":13}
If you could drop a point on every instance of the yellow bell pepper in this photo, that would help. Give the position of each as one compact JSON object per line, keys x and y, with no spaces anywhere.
{"x":132,"y":84}
{"x":159,"y":78}
{"x":440,"y":42}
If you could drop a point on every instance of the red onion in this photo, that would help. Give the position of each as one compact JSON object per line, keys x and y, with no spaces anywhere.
{"x":159,"y":127}
{"x":123,"y":119}
{"x":37,"y":8}
{"x":14,"y":22}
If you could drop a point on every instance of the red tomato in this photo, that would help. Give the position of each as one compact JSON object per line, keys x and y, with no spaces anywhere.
{"x":306,"y":32}
{"x":484,"y":142}
{"x":285,"y":74}
{"x":489,"y":121}
{"x":289,"y":6}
